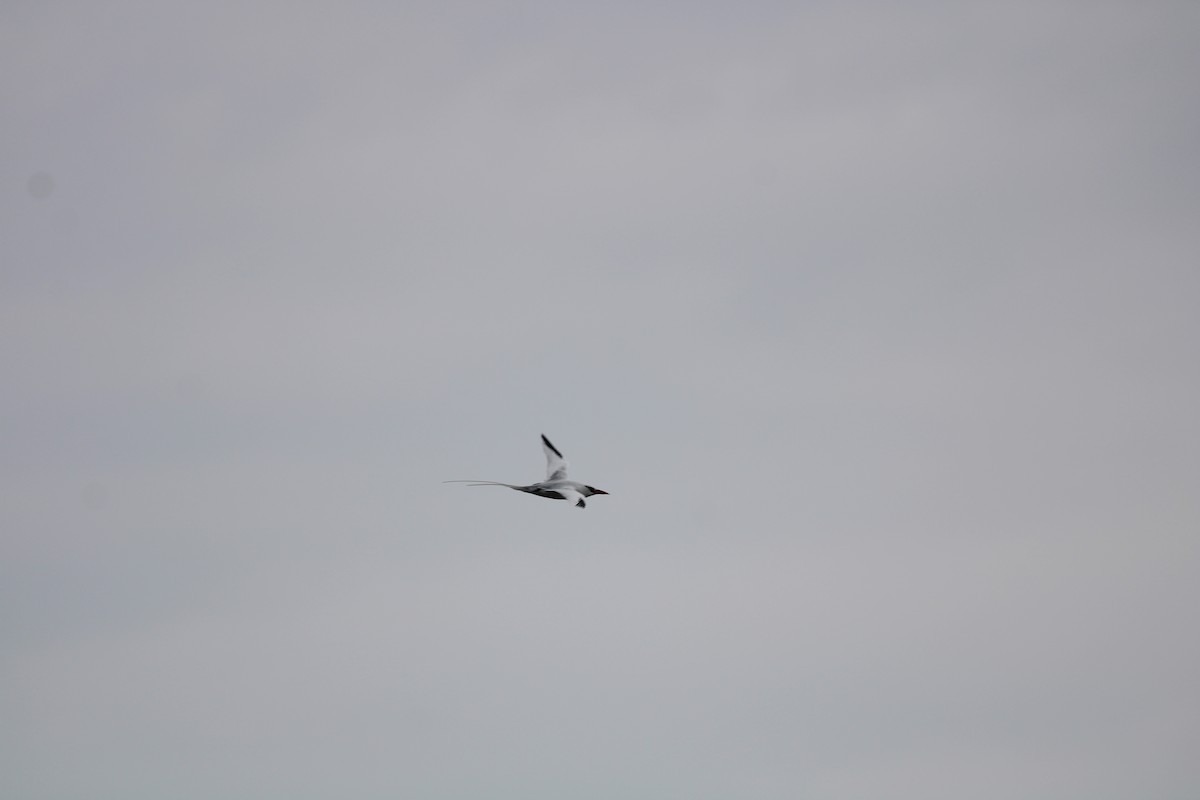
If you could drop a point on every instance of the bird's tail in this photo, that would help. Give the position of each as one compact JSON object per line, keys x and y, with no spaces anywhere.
{"x":487,"y":483}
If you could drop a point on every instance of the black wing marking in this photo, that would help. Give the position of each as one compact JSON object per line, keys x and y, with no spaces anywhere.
{"x":556,"y":465}
{"x":546,"y":442}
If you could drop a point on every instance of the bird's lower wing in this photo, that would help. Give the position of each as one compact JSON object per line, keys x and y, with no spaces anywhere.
{"x":571,"y":496}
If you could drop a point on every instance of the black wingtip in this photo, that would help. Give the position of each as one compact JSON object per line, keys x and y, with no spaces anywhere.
{"x":552,"y":447}
{"x":581,"y":504}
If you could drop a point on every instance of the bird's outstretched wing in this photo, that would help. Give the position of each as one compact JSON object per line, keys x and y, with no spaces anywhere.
{"x":556,"y":465}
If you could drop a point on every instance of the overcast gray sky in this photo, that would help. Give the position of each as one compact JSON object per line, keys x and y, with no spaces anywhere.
{"x":879,"y":321}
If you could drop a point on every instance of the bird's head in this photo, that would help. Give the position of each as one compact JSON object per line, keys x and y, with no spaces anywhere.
{"x":593,"y":490}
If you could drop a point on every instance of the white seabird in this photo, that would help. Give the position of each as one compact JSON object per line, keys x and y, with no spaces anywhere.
{"x":556,"y":486}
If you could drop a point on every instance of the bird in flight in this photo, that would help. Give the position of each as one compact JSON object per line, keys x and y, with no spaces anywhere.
{"x":556,"y":486}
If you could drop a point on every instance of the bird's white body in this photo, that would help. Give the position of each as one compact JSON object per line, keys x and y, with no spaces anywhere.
{"x":556,"y":486}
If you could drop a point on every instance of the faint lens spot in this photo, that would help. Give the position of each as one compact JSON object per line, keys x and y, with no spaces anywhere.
{"x":40,"y":185}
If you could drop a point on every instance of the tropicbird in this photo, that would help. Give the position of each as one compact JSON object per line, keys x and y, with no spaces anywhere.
{"x":556,"y":486}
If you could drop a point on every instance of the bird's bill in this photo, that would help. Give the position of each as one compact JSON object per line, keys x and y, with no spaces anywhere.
{"x":599,"y":491}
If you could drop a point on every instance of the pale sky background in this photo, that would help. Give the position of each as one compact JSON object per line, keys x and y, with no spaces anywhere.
{"x":880,"y":322}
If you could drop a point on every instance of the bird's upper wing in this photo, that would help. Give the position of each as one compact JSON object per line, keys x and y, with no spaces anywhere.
{"x":556,"y":465}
